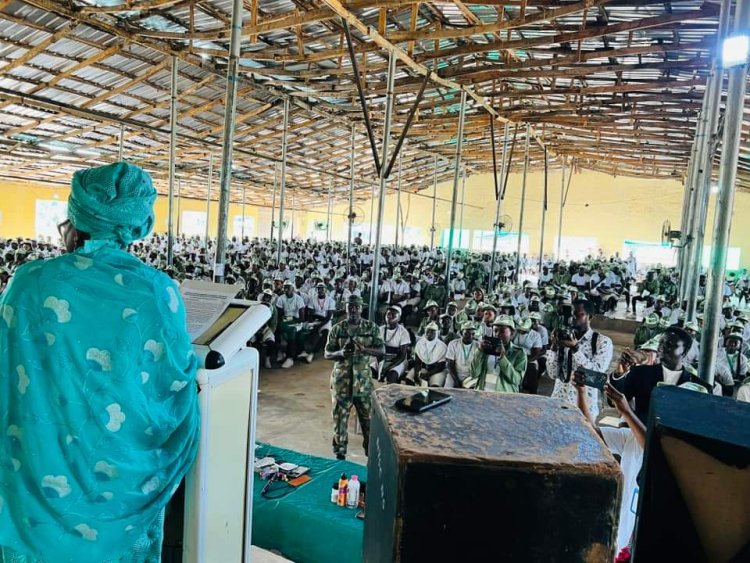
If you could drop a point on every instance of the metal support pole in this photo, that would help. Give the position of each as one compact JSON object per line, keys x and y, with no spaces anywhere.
{"x":559,"y":223}
{"x":692,"y":199}
{"x":284,"y":140}
{"x":208,"y":195}
{"x":329,"y":212}
{"x":724,"y":204}
{"x":179,"y":207}
{"x":372,"y":211}
{"x":121,"y":148}
{"x":498,"y":208}
{"x":273,"y":200}
{"x":523,"y":201}
{"x":461,"y":217}
{"x":684,"y":217}
{"x":398,"y":205}
{"x":242,"y":229}
{"x":705,"y":167}
{"x":383,"y":183}
{"x":351,"y":208}
{"x":454,"y":199}
{"x":544,"y":216}
{"x":294,"y":208}
{"x":434,"y":204}
{"x":172,"y":160}
{"x":227,"y":145}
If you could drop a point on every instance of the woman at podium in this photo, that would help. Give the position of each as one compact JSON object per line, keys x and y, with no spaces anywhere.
{"x":98,"y":404}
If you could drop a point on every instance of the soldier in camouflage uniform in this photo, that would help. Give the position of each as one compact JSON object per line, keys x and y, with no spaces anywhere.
{"x":351,"y":343}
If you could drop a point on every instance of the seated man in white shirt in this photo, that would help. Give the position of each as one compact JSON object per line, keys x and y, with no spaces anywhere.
{"x":459,"y":355}
{"x":321,"y":309}
{"x":429,"y":358}
{"x":392,"y":366}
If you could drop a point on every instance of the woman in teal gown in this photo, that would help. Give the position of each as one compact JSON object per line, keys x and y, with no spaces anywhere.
{"x":98,"y":402}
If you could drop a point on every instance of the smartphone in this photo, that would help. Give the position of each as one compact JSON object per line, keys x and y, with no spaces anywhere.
{"x":422,"y":401}
{"x":592,"y":378}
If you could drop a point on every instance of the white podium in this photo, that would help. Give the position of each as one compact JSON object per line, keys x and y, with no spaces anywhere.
{"x":219,"y":486}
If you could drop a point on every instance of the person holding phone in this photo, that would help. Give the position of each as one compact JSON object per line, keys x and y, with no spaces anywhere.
{"x":502,"y":364}
{"x":628,"y":443}
{"x":577,"y":347}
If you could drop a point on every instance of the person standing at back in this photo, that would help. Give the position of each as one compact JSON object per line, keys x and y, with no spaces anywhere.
{"x":578,"y":347}
{"x":99,"y":403}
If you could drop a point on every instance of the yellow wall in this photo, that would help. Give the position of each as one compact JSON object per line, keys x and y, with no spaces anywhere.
{"x":611,"y":209}
{"x":18,"y":209}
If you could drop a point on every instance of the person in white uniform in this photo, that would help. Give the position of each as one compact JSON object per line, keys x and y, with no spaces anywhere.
{"x":392,"y":366}
{"x":321,"y":309}
{"x":459,"y":355}
{"x":429,"y":358}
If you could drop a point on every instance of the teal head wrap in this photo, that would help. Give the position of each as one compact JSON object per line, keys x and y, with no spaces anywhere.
{"x":112,"y":202}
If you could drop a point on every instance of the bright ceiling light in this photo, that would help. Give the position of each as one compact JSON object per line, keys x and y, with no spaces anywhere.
{"x":715,"y":189}
{"x":735,"y":50}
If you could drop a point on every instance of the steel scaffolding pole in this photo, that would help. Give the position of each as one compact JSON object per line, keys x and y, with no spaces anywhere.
{"x":121,"y":148}
{"x":273,"y":200}
{"x":350,"y":224}
{"x":434,"y":204}
{"x":398,"y":205}
{"x":725,"y":203}
{"x":498,"y":209}
{"x":172,"y":160}
{"x":242,"y":229}
{"x":208,"y":195}
{"x":329,"y":212}
{"x":544,"y":215}
{"x":454,"y":199}
{"x":282,"y":194}
{"x":560,"y":220}
{"x":692,"y":198}
{"x":705,"y":167}
{"x":227,"y":145}
{"x":373,"y":305}
{"x":461,"y":217}
{"x":179,"y":207}
{"x":523,"y":201}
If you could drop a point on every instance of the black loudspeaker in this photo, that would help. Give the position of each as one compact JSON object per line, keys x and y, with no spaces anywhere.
{"x":694,"y":504}
{"x":488,"y":477}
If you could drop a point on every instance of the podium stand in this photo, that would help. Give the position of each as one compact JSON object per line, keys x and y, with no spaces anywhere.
{"x":216,"y":518}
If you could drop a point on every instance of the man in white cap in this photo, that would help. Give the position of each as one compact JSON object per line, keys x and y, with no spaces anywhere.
{"x":458,"y":287}
{"x":459,"y":355}
{"x":429,"y":358}
{"x":392,"y":366}
{"x":502,"y":364}
{"x":291,"y":308}
{"x":321,"y":308}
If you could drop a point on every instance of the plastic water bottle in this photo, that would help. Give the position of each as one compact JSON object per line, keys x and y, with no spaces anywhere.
{"x":352,"y":495}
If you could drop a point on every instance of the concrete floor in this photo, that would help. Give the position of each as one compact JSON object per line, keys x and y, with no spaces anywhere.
{"x":294,"y":409}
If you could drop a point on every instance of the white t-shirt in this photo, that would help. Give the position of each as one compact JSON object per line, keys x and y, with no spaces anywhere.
{"x":321,"y":307}
{"x":430,"y":352}
{"x":579,"y":279}
{"x":290,"y":305}
{"x":622,"y":442}
{"x":395,"y":337}
{"x":462,"y":354}
{"x":531,"y":339}
{"x":671,"y":377}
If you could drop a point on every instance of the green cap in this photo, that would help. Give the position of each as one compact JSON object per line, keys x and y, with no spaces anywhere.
{"x":505,"y":320}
